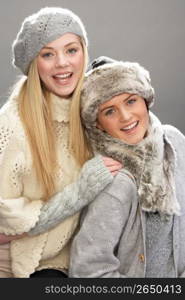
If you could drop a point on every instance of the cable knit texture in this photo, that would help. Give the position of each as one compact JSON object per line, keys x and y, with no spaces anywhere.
{"x":74,"y":196}
{"x":21,"y":197}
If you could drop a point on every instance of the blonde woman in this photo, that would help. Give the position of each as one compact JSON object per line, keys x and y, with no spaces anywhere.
{"x":42,"y":144}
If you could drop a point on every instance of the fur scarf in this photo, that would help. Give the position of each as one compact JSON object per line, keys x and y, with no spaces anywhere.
{"x":151,"y":162}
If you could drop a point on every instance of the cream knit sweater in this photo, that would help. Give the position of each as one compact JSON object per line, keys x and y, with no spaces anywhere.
{"x":21,"y":196}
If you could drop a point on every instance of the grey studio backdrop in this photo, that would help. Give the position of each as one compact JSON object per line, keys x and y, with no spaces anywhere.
{"x":151,"y":32}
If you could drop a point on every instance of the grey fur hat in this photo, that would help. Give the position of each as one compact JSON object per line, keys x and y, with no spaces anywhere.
{"x":109,"y":80}
{"x":41,"y":28}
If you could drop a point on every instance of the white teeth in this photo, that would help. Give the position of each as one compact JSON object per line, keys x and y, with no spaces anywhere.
{"x":63,"y":75}
{"x":130,"y":126}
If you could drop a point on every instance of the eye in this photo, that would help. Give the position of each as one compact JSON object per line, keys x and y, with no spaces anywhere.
{"x":131,"y":101}
{"x":109,"y":112}
{"x":72,"y":50}
{"x":47,"y":54}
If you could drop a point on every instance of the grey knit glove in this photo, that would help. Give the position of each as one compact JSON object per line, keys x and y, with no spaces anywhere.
{"x":93,"y":178}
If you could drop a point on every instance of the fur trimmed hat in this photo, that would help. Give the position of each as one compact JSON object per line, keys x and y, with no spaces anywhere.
{"x":111,"y":79}
{"x":41,"y":28}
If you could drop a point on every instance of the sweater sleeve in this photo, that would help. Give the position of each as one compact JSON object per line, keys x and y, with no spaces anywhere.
{"x":18,"y":214}
{"x":93,"y":249}
{"x":92,"y":179}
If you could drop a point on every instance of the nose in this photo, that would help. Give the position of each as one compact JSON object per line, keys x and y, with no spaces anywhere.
{"x":124,"y":115}
{"x":61,"y":60}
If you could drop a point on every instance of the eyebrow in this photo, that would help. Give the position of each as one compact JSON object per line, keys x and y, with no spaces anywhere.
{"x":111,"y":106}
{"x":67,"y":45}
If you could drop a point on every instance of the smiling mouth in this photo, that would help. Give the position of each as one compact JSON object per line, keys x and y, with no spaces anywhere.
{"x":130,"y":127}
{"x":63,"y":77}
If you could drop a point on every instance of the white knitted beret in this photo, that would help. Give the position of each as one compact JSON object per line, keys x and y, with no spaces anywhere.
{"x":109,"y":80}
{"x":41,"y":28}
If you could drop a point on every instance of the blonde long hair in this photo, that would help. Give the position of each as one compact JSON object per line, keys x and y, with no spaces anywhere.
{"x":78,"y":143}
{"x":35,"y":113}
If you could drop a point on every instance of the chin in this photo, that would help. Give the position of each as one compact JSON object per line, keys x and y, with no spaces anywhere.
{"x":132,"y":141}
{"x":63,"y":94}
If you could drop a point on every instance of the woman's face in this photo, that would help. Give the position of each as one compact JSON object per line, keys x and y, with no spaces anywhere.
{"x":124,"y":117}
{"x":60,"y":64}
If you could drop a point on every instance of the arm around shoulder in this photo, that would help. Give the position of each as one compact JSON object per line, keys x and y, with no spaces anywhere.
{"x":92,"y":179}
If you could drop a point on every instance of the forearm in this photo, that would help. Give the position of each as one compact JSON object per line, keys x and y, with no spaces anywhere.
{"x":93,"y":178}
